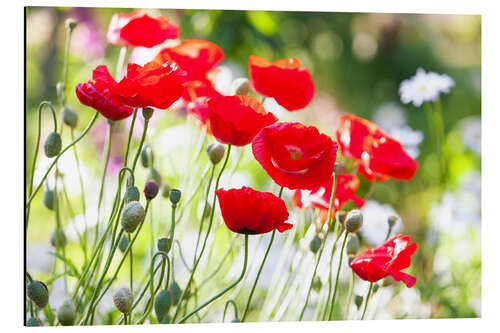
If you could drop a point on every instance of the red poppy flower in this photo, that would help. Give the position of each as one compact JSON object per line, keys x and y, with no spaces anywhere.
{"x":251,"y":212}
{"x":139,"y":29}
{"x":153,"y":85}
{"x":195,"y":57}
{"x":290,"y":85}
{"x":237,"y":119}
{"x":199,"y":88}
{"x":199,"y":110}
{"x":98,"y":94}
{"x":377,"y":155}
{"x":345,"y":188}
{"x":294,"y":155}
{"x":387,"y":259}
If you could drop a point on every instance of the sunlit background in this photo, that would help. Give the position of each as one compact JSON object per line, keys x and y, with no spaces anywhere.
{"x":357,"y":61}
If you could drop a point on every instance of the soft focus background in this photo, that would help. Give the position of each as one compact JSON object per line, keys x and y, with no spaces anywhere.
{"x":357,"y":61}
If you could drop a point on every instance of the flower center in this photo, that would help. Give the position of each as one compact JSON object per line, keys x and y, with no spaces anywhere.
{"x":295,"y":152}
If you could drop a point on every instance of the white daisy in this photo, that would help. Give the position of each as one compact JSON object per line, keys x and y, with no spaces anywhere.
{"x":471,"y":134}
{"x":424,"y":87}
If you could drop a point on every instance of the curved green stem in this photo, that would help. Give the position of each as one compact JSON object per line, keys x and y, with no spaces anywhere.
{"x":186,"y":317}
{"x":366,"y":301}
{"x":225,"y":309}
{"x":330,"y":316}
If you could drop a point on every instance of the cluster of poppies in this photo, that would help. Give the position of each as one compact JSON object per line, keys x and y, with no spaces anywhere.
{"x":294,"y":155}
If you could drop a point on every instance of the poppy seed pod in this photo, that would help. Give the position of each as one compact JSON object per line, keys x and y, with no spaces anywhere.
{"x":165,"y":190}
{"x":53,"y":144}
{"x":154,"y":175}
{"x":123,"y":244}
{"x":339,"y":168}
{"x":240,"y":86}
{"x":315,"y":244}
{"x":70,"y":23}
{"x":38,"y":292}
{"x":123,"y":299}
{"x":70,"y":117}
{"x":32,"y":322}
{"x":175,"y":196}
{"x":353,"y":220}
{"x":147,"y":112}
{"x":352,"y":244}
{"x":392,"y":220}
{"x":358,"y":300}
{"x":215,"y":152}
{"x":164,"y":244}
{"x":340,"y":216}
{"x":66,"y":313}
{"x":176,"y":292}
{"x":58,"y":238}
{"x":146,"y":156}
{"x":150,"y":190}
{"x":132,"y":194}
{"x":133,"y":214}
{"x":163,"y":301}
{"x":49,"y":199}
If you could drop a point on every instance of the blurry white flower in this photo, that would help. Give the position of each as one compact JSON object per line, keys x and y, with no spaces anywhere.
{"x":424,"y":87}
{"x":375,"y":226}
{"x":471,"y":134}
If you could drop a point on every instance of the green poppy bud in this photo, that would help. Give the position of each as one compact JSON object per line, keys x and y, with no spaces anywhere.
{"x":38,"y":293}
{"x":215,"y":152}
{"x":340,"y":216}
{"x":58,"y":238}
{"x":153,"y":174}
{"x":147,"y":112}
{"x":70,"y":23}
{"x":317,"y":284}
{"x":53,"y":144}
{"x":70,"y":117}
{"x":163,"y":301}
{"x":236,"y":320}
{"x":165,"y":191}
{"x":353,"y":220}
{"x":32,"y":322}
{"x":175,"y":196}
{"x":358,"y":300}
{"x":146,"y":156}
{"x":123,"y":299}
{"x":49,"y":197}
{"x":123,"y":244}
{"x":315,"y":244}
{"x":340,"y":168}
{"x":164,"y":244}
{"x":352,"y":244}
{"x":176,"y":292}
{"x":133,"y":214}
{"x":392,"y":221}
{"x":132,"y":194}
{"x":150,"y":190}
{"x":240,"y":86}
{"x":375,"y":288}
{"x":66,"y":313}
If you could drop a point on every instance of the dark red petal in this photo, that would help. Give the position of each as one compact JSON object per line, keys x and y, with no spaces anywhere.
{"x":90,"y":96}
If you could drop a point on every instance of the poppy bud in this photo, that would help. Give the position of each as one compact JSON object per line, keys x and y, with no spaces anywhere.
{"x":240,"y":86}
{"x":123,"y":299}
{"x":133,"y":214}
{"x":163,"y":301}
{"x":49,"y":198}
{"x":146,"y":156}
{"x":53,"y":144}
{"x":392,"y":221}
{"x":123,"y":244}
{"x":132,"y":194}
{"x":150,"y":190}
{"x":70,"y":23}
{"x":236,"y":320}
{"x":353,"y":220}
{"x":32,"y":322}
{"x":340,"y":216}
{"x":352,"y":244}
{"x":66,"y":313}
{"x":215,"y":152}
{"x":38,"y":292}
{"x":339,"y":168}
{"x":176,"y":292}
{"x":358,"y":300}
{"x":147,"y":112}
{"x":164,"y":244}
{"x":70,"y":117}
{"x":58,"y":238}
{"x":165,"y":190}
{"x":317,"y":284}
{"x":315,"y":244}
{"x":175,"y":196}
{"x":375,"y":288}
{"x":154,"y":175}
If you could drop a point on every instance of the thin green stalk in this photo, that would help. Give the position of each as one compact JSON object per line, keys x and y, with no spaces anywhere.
{"x":186,"y":317}
{"x":330,"y":265}
{"x":82,"y":187}
{"x":66,"y":63}
{"x":131,"y":130}
{"x":330,"y":316}
{"x":141,"y":143}
{"x":225,"y":309}
{"x":366,"y":301}
{"x":131,"y":267}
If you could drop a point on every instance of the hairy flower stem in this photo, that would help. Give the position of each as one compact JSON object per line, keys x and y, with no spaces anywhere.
{"x":366,"y":301}
{"x":330,"y":316}
{"x":85,"y":131}
{"x":212,"y":211}
{"x":186,"y":317}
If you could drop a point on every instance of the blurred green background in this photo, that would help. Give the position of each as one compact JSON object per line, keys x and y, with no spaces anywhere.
{"x":357,"y":61}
